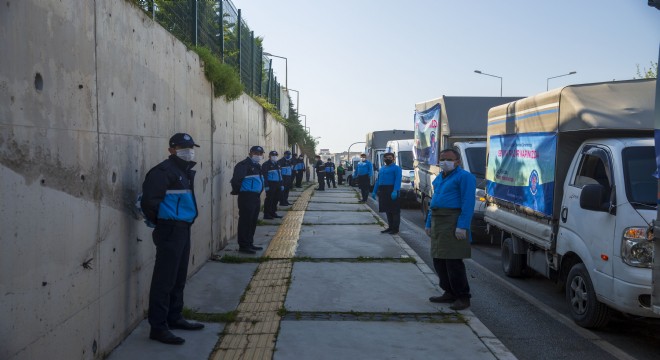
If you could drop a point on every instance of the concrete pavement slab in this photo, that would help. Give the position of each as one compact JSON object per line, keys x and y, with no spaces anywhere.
{"x":362,"y":287}
{"x":335,"y":207}
{"x":138,"y":346}
{"x":334,"y":193}
{"x":334,"y":200}
{"x":343,"y":242}
{"x":217,"y":287}
{"x":377,"y":340}
{"x":339,"y":217}
{"x":262,"y":237}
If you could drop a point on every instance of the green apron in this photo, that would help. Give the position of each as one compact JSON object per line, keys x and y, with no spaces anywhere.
{"x":444,"y":244}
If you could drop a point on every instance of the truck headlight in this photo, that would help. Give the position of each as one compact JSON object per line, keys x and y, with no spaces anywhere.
{"x":636,"y":247}
{"x":405,"y":179}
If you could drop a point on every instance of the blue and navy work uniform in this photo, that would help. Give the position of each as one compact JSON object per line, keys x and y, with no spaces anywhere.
{"x":168,"y":201}
{"x":363,"y":173}
{"x":455,"y":191}
{"x":320,"y":173}
{"x":388,"y":183}
{"x":247,"y":183}
{"x":273,"y":176}
{"x":330,"y":173}
{"x":286,"y":165}
{"x":299,"y":168}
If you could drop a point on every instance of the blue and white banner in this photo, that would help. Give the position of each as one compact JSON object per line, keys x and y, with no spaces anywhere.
{"x":427,"y":131}
{"x":521,"y":169}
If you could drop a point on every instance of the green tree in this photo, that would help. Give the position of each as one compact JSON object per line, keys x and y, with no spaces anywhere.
{"x":650,"y":73}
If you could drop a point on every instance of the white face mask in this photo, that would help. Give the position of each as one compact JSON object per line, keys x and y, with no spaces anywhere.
{"x":446,"y":166}
{"x":273,"y":158}
{"x":186,"y":154}
{"x":256,"y":158}
{"x":363,"y":159}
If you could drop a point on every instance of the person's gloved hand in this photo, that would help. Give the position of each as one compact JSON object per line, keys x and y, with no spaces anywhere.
{"x":395,"y":195}
{"x":373,"y":195}
{"x":428,"y":231}
{"x":267,"y":188}
{"x":461,"y":234}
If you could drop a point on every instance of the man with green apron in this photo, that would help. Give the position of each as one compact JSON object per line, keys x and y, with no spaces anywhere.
{"x":448,"y":225}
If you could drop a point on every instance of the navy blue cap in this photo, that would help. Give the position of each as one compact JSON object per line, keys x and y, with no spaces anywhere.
{"x":287,"y":152}
{"x":273,"y":153}
{"x":183,"y":140}
{"x":257,"y":149}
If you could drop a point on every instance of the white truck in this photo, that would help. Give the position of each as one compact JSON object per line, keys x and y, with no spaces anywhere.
{"x":403,"y":152}
{"x":457,"y":122}
{"x":571,"y":193}
{"x":376,"y":143}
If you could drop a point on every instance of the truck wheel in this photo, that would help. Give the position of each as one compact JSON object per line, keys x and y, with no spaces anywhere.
{"x":512,"y":264}
{"x":585,"y":309}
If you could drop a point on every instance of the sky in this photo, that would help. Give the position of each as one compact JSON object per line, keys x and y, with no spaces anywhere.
{"x":361,"y":65}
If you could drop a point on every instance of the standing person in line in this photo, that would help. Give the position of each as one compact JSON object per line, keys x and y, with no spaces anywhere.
{"x":301,"y":168}
{"x":274,"y":185}
{"x":387,"y":188}
{"x":287,"y":177}
{"x":320,"y":173}
{"x":448,"y":225}
{"x":294,"y":169}
{"x":248,"y":183}
{"x":307,"y":174}
{"x":340,"y":174}
{"x":168,"y":201}
{"x":364,"y":171}
{"x":330,"y":173}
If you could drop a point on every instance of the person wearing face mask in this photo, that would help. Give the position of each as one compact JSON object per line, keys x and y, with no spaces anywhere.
{"x":330,"y":173}
{"x":274,"y":185}
{"x":168,"y":201}
{"x":248,"y":183}
{"x":320,"y":173}
{"x":287,"y":177}
{"x":340,"y":174}
{"x":387,"y":188}
{"x":448,"y":225}
{"x":301,"y":168}
{"x":363,"y":172}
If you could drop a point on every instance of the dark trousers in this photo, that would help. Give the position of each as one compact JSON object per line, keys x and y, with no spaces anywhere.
{"x":393,"y":218}
{"x":330,"y":178}
{"x":249,"y":204}
{"x":272,"y":198}
{"x":284,"y":196}
{"x":453,"y":278}
{"x":321,"y":177}
{"x":299,"y":176}
{"x":364,"y":183}
{"x":340,"y":179}
{"x":307,"y":175}
{"x":170,"y":271}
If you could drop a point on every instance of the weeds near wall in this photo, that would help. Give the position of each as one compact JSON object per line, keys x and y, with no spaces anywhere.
{"x":224,"y":78}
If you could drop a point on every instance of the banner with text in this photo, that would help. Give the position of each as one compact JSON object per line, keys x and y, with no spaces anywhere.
{"x":521,"y":169}
{"x":426,"y":135}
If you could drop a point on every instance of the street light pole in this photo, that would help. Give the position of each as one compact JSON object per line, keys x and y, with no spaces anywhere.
{"x":348,"y":153}
{"x":305,"y":116}
{"x":547,"y":81}
{"x":501,"y":81}
{"x":286,"y":71}
{"x":297,"y":101}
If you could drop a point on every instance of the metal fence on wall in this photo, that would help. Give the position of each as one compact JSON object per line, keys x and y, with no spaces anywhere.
{"x":220,"y":27}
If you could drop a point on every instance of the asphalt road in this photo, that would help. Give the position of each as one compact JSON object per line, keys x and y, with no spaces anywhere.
{"x":529,"y":315}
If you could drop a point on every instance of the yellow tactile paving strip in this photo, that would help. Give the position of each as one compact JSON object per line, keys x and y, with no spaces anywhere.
{"x":253,"y":334}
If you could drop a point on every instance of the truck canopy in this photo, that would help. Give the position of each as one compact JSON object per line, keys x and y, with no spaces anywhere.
{"x":531,"y":142}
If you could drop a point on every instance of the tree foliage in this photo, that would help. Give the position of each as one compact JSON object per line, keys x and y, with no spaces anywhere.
{"x":650,"y":73}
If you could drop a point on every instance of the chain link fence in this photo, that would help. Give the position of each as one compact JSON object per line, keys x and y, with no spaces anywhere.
{"x":220,"y":27}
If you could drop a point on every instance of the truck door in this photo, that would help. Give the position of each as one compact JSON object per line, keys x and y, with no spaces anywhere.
{"x":594,"y":230}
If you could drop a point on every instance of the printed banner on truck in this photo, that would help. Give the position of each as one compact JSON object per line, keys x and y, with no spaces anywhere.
{"x":426,"y":135}
{"x":521,"y":169}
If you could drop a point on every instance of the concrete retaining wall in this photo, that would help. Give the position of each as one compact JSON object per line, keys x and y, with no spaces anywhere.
{"x":90,"y":92}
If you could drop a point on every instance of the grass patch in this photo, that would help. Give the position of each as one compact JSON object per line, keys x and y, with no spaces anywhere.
{"x":227,"y":317}
{"x":232,"y":259}
{"x":282,"y":311}
{"x":224,"y":78}
{"x":393,"y":259}
{"x":301,"y":259}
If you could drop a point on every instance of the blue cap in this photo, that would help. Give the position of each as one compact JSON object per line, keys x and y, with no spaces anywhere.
{"x":257,"y":149}
{"x":287,"y":152}
{"x":273,"y":153}
{"x":183,"y":140}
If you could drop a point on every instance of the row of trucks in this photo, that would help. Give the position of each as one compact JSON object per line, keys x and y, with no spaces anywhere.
{"x":567,"y":185}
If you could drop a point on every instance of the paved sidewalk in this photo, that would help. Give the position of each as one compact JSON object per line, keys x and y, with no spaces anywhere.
{"x":328,"y":285}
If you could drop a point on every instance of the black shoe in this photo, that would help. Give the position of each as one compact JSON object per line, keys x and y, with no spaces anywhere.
{"x":277,"y":216}
{"x":444,"y":298}
{"x":268,"y":217}
{"x":393,"y":232}
{"x":256,"y":247}
{"x":460,"y":304}
{"x":166,"y":337}
{"x":246,"y":250}
{"x":362,"y":201}
{"x":184,"y":324}
{"x":334,"y":187}
{"x":385,"y":231}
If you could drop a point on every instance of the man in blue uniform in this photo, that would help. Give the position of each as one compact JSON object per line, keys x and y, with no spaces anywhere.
{"x":286,"y":165}
{"x":330,"y":173}
{"x":320,"y":173}
{"x":301,"y":168}
{"x":363,"y":173}
{"x":274,"y":185}
{"x":448,"y":225}
{"x":387,"y":188}
{"x":168,"y":201}
{"x":248,"y":183}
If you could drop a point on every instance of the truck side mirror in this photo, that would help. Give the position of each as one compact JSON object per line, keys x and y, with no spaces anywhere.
{"x":593,"y":198}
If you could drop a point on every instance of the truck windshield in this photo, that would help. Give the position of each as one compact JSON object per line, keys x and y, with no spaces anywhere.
{"x":638,"y":169}
{"x":476,"y":159}
{"x":406,"y":160}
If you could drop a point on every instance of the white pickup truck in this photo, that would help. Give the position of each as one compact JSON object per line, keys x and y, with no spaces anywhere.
{"x":571,"y":193}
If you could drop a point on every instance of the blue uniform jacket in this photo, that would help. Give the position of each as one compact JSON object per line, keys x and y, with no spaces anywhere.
{"x":271,"y":171}
{"x":364,"y":168}
{"x":286,"y":166}
{"x":168,"y":193}
{"x":330,"y":167}
{"x":456,"y":191}
{"x":247,"y":177}
{"x":389,"y":175}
